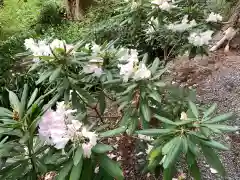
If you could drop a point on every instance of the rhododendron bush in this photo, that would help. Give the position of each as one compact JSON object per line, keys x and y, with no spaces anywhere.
{"x":55,"y":131}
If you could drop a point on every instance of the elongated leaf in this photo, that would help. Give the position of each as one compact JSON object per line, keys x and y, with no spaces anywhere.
{"x":14,"y":101}
{"x":76,"y":171}
{"x":111,"y":167}
{"x":55,"y":74}
{"x":194,"y":109}
{"x":65,"y":170}
{"x":168,"y":173}
{"x":24,"y":99}
{"x":43,"y":77}
{"x":215,"y":144}
{"x":5,"y":112}
{"x":155,"y":95}
{"x":32,"y":98}
{"x":115,"y":81}
{"x":223,"y":128}
{"x":78,"y":156}
{"x":164,"y":120}
{"x":155,"y":131}
{"x":85,"y":95}
{"x":113,"y":132}
{"x":155,"y":65}
{"x":168,"y":146}
{"x":173,"y":154}
{"x":192,"y":147}
{"x":87,"y":170}
{"x":145,"y":110}
{"x":210,"y":110}
{"x":220,"y":118}
{"x":102,"y":148}
{"x":194,"y":170}
{"x":213,"y":159}
{"x":133,"y":123}
{"x":160,"y":84}
{"x":102,"y":102}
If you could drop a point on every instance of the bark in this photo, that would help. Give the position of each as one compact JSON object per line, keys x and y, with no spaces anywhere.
{"x":75,"y":9}
{"x":229,"y":31}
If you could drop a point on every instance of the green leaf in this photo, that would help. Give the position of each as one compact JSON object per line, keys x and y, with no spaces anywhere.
{"x":164,"y":120}
{"x":133,"y":123}
{"x":168,"y":173}
{"x":160,"y":84}
{"x":43,"y":77}
{"x":5,"y":112}
{"x":102,"y":102}
{"x":76,"y":171}
{"x":85,"y":95}
{"x":173,"y":154}
{"x":14,"y":101}
{"x":194,"y":109}
{"x":114,"y":132}
{"x":223,"y":128}
{"x":215,"y":145}
{"x":55,"y":74}
{"x":155,"y":65}
{"x":115,"y":81}
{"x":168,"y":146}
{"x":24,"y":99}
{"x":192,"y":147}
{"x":210,"y":110}
{"x":194,"y":170}
{"x":101,"y":148}
{"x":32,"y":98}
{"x":87,"y":170}
{"x":220,"y":118}
{"x":145,"y":110}
{"x":155,"y":95}
{"x":111,"y":167}
{"x":155,"y":131}
{"x":65,"y":170}
{"x":78,"y":155}
{"x":213,"y":159}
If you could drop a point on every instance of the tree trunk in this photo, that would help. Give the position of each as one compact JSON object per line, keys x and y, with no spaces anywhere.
{"x":229,"y":34}
{"x":75,"y":9}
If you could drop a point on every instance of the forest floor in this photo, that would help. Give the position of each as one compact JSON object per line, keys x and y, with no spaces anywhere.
{"x":216,"y":79}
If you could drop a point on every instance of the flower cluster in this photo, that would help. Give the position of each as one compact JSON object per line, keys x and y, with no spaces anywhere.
{"x":200,"y":39}
{"x":59,"y":127}
{"x":94,"y":66}
{"x":43,"y":48}
{"x":132,"y":68}
{"x":183,"y":26}
{"x":214,"y":17}
{"x":164,"y":5}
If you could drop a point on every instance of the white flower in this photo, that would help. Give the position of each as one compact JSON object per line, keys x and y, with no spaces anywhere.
{"x":149,"y":149}
{"x":214,"y":171}
{"x":214,"y":17}
{"x":127,"y":70}
{"x":93,"y":68}
{"x":183,"y":116}
{"x":96,"y":49}
{"x":183,"y":26}
{"x":91,"y":139}
{"x":200,"y":39}
{"x":163,"y":5}
{"x":96,"y":170}
{"x":53,"y":130}
{"x":56,"y":43}
{"x":134,"y":5}
{"x":144,"y":137}
{"x":87,"y":150}
{"x":142,"y":72}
